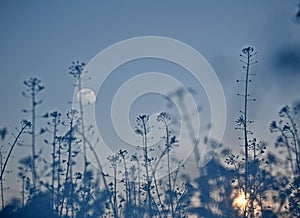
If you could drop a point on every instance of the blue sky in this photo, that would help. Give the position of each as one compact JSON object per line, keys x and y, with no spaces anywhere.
{"x":39,"y":38}
{"x":42,"y":38}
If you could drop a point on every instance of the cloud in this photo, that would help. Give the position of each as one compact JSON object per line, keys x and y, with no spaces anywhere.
{"x":287,"y":60}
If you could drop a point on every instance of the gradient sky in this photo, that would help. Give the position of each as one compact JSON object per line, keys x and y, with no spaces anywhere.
{"x":42,"y":38}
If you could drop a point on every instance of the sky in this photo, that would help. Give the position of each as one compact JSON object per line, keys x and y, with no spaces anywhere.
{"x":42,"y":38}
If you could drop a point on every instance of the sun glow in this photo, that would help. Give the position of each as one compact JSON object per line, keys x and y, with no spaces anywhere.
{"x":240,"y":201}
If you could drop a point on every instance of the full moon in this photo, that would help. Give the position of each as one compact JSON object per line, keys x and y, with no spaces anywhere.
{"x":87,"y":96}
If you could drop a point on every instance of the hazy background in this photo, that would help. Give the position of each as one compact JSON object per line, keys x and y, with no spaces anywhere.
{"x":39,"y":38}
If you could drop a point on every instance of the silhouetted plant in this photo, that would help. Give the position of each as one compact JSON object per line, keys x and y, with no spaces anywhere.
{"x":25,"y":125}
{"x":1,"y":181}
{"x":128,"y":188}
{"x":76,"y":70}
{"x":243,"y":123}
{"x":55,"y":175}
{"x":38,"y":206}
{"x":107,"y":191}
{"x":136,"y":175}
{"x":180,"y":95}
{"x":256,"y":177}
{"x":68,"y":189}
{"x":3,"y":133}
{"x":114,"y":161}
{"x":169,"y":142}
{"x":142,"y":129}
{"x":293,"y":192}
{"x":288,"y":138}
{"x":33,"y":87}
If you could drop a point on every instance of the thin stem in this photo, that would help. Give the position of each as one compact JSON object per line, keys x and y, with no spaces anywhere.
{"x":245,"y":123}
{"x":286,"y":142}
{"x":59,"y":170}
{"x":12,"y":147}
{"x":68,"y":179}
{"x":82,"y":130}
{"x":53,"y":162}
{"x":23,"y":191}
{"x":295,"y":135}
{"x":33,"y":138}
{"x":99,"y":166}
{"x":158,"y":194}
{"x":115,"y":188}
{"x":2,"y":193}
{"x":146,"y":164}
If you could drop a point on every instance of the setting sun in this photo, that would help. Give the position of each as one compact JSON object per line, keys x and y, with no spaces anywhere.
{"x":240,"y":200}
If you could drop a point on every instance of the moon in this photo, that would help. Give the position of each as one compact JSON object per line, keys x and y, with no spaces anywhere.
{"x":87,"y":96}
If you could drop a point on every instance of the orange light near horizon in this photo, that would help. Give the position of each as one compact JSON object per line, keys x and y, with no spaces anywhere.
{"x":240,"y":201}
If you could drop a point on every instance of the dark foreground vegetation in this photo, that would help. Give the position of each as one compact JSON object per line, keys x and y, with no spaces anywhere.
{"x":261,"y":181}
